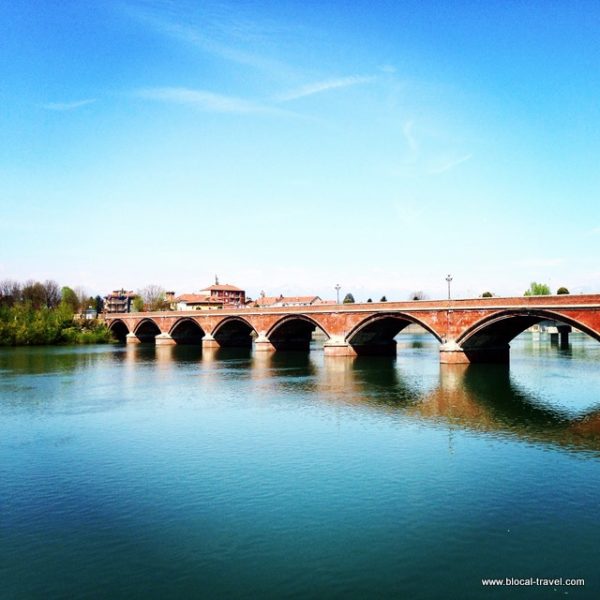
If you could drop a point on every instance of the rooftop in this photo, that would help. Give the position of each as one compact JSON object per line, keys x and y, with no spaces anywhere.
{"x":196,"y":298}
{"x":223,"y":287}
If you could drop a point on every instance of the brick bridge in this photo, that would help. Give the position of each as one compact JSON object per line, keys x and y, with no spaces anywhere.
{"x":474,"y":330}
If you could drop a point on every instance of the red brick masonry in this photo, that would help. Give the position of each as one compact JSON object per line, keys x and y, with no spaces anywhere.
{"x":470,"y":330}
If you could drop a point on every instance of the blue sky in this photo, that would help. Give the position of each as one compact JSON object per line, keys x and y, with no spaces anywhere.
{"x":289,"y":146}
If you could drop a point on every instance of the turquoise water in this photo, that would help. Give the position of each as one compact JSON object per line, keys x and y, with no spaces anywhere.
{"x":143,"y":472}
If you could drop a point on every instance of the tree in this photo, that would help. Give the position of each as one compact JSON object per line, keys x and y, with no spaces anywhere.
{"x":154,"y":297}
{"x":537,"y":289}
{"x":369,"y":300}
{"x":138,"y":304}
{"x":349,"y":299}
{"x":51,"y":293}
{"x":69,"y":297}
{"x":10,"y":292}
{"x":562,"y":290}
{"x":419,"y":295}
{"x":383,"y":299}
{"x":82,"y":296}
{"x":99,"y":304}
{"x":487,"y":295}
{"x":34,"y":293}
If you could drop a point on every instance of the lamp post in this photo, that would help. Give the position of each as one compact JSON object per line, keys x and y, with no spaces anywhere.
{"x":449,"y":280}
{"x":337,"y":289}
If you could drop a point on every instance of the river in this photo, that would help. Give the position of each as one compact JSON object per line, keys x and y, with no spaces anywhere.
{"x":171,"y":473}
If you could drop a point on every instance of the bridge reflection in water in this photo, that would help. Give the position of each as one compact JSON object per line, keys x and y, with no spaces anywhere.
{"x":477,"y":398}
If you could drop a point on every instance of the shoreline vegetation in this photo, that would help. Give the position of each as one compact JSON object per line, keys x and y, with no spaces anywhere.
{"x":43,"y":314}
{"x":24,"y":325}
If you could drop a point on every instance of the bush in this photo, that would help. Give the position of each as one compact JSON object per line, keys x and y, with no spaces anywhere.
{"x":537,"y":289}
{"x":562,"y":290}
{"x":23,"y":325}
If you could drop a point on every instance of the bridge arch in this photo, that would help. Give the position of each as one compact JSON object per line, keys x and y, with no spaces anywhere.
{"x":187,"y":331}
{"x":488,"y":339}
{"x":293,"y":332}
{"x":234,"y":332}
{"x":375,"y":334}
{"x":119,"y":330}
{"x":146,"y":331}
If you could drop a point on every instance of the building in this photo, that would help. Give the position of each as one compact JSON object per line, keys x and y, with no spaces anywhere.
{"x":119,"y":301}
{"x":272,"y":301}
{"x":229,"y":295}
{"x":195,"y":302}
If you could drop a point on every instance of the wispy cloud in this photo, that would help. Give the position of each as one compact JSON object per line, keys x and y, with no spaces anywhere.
{"x":448,"y":164}
{"x":594,"y":231}
{"x":207,"y":101}
{"x":323,"y":86}
{"x":540,"y":262}
{"x":213,"y":30}
{"x":62,"y":106}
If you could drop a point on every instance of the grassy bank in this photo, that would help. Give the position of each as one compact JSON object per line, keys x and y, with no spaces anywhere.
{"x":23,"y":325}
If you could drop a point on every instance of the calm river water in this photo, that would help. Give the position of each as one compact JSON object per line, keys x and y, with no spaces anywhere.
{"x":132,"y":472}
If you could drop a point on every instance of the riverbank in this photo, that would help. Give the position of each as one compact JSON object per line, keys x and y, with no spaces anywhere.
{"x":23,"y":325}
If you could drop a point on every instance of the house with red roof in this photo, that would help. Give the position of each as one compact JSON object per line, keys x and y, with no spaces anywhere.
{"x":281,"y":300}
{"x":195,"y":302}
{"x":228,"y":294}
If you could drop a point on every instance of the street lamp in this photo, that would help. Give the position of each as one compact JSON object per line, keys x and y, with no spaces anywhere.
{"x":337,"y":289}
{"x":449,"y":280}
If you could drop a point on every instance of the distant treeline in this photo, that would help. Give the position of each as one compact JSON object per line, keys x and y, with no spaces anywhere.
{"x":36,"y":313}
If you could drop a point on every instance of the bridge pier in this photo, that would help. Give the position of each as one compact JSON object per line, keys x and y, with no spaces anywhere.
{"x":131,"y":338}
{"x":208,"y":341}
{"x":451,"y":353}
{"x":338,"y":346}
{"x":164,"y":339}
{"x":563,"y":332}
{"x":382,"y":348}
{"x":263,"y":344}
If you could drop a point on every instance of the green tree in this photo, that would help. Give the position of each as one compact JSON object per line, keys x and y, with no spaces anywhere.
{"x":369,"y":300}
{"x":349,"y":299}
{"x":537,"y":289}
{"x":69,"y":297}
{"x":487,"y":295}
{"x":37,"y":317}
{"x":99,"y":304}
{"x":383,"y":299}
{"x":562,"y":290}
{"x":138,"y":304}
